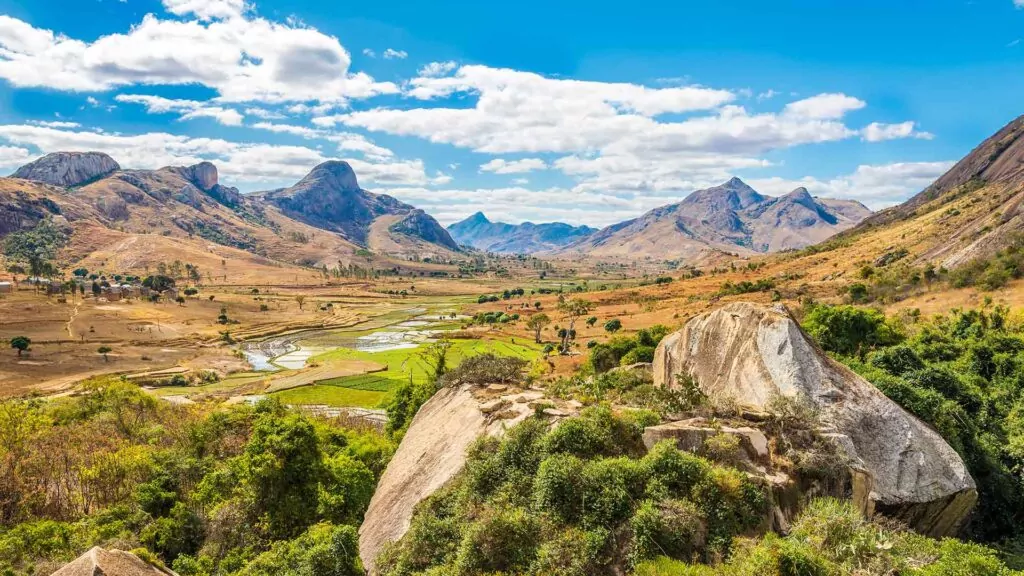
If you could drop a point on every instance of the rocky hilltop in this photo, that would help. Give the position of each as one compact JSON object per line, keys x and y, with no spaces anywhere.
{"x":68,"y":168}
{"x":753,"y":353}
{"x":329,"y":197}
{"x":730,"y":218}
{"x":480,"y":233}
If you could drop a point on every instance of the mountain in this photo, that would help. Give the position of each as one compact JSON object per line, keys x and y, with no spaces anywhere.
{"x":731,"y":218}
{"x":479,"y":232}
{"x":68,"y":168}
{"x":329,"y":197}
{"x":132,"y":219}
{"x":969,"y":212}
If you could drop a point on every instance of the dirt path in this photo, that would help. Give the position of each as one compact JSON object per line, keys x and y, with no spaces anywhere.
{"x":71,"y":319}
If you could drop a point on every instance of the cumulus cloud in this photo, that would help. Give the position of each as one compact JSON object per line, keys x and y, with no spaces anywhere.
{"x":206,"y":9}
{"x":878,"y":132}
{"x":346,"y":141}
{"x":242,"y":58}
{"x":186,"y":109}
{"x":392,"y":54}
{"x":435,"y":69}
{"x":502,"y":166}
{"x":877,"y":186}
{"x":14,"y":156}
{"x":824,"y":106}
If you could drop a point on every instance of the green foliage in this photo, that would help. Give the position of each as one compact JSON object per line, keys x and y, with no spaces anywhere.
{"x":21,"y":343}
{"x":37,"y":247}
{"x":960,"y":373}
{"x":746,"y":287}
{"x":253,"y":490}
{"x":624,"y":350}
{"x":830,"y":538}
{"x":850,"y":330}
{"x":612,"y":326}
{"x":579,"y":498}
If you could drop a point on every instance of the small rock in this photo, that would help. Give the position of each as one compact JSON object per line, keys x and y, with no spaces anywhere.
{"x":496,"y":387}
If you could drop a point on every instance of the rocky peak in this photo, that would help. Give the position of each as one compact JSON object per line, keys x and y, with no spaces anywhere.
{"x":202,"y":175}
{"x":333,"y":174}
{"x":68,"y":168}
{"x":477,"y":218}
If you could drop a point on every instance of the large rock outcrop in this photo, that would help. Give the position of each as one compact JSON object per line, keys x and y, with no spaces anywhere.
{"x":100,"y":562}
{"x":753,"y":353}
{"x":68,"y":168}
{"x":433,"y":451}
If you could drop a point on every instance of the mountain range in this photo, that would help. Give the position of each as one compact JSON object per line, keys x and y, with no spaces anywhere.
{"x":480,"y":233}
{"x":731,"y":218}
{"x":327,"y":217}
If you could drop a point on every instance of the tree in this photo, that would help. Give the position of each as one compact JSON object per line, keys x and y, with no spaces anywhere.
{"x":180,"y":300}
{"x":572,"y":308}
{"x":612,"y":326}
{"x":537,"y":322}
{"x":104,"y":350}
{"x":436,"y":354}
{"x":591,"y":321}
{"x":21,"y":343}
{"x":223,"y":317}
{"x":36,"y":247}
{"x":301,"y":300}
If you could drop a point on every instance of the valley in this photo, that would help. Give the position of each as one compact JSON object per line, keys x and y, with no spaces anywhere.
{"x":743,"y":368}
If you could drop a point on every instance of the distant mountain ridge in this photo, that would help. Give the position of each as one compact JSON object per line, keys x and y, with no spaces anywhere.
{"x":526,"y":238}
{"x":730,"y":218}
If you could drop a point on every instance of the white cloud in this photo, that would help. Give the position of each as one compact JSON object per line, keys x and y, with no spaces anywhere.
{"x":520,"y":181}
{"x":1018,"y":3}
{"x":878,"y":132}
{"x":264,"y":113}
{"x":502,"y":166}
{"x":187,"y":109}
{"x":242,"y":58}
{"x":14,"y":156}
{"x":346,"y":141}
{"x":392,"y":54}
{"x":206,"y":9}
{"x":824,"y":106}
{"x":55,"y":123}
{"x":246,"y":164}
{"x":92,"y":102}
{"x":370,"y":53}
{"x":877,"y":186}
{"x":435,"y":69}
{"x":767,"y":95}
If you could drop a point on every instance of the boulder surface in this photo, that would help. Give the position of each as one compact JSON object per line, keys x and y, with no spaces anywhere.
{"x":68,"y":168}
{"x":432,"y":452}
{"x":101,"y":562}
{"x":753,"y":353}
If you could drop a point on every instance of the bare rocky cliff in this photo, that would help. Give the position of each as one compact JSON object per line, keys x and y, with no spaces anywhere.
{"x":752,"y":353}
{"x":68,"y":168}
{"x":101,"y":562}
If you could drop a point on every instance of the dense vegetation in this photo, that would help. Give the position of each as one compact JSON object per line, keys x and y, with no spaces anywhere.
{"x":580,"y":498}
{"x":831,"y":538}
{"x":242,"y":490}
{"x":963,"y":373}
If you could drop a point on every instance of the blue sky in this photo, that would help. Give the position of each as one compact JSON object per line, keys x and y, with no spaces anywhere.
{"x":528,"y":111}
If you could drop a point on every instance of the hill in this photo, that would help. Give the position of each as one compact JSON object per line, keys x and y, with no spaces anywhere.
{"x":329,"y":197}
{"x":730,"y":218}
{"x":526,"y":238}
{"x":139,"y":218}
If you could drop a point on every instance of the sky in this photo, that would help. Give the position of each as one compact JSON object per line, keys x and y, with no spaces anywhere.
{"x":581,"y":112}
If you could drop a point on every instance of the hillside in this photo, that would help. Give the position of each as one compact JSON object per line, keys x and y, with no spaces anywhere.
{"x":730,"y":218}
{"x":139,"y":218}
{"x":329,"y":197}
{"x":526,"y":238}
